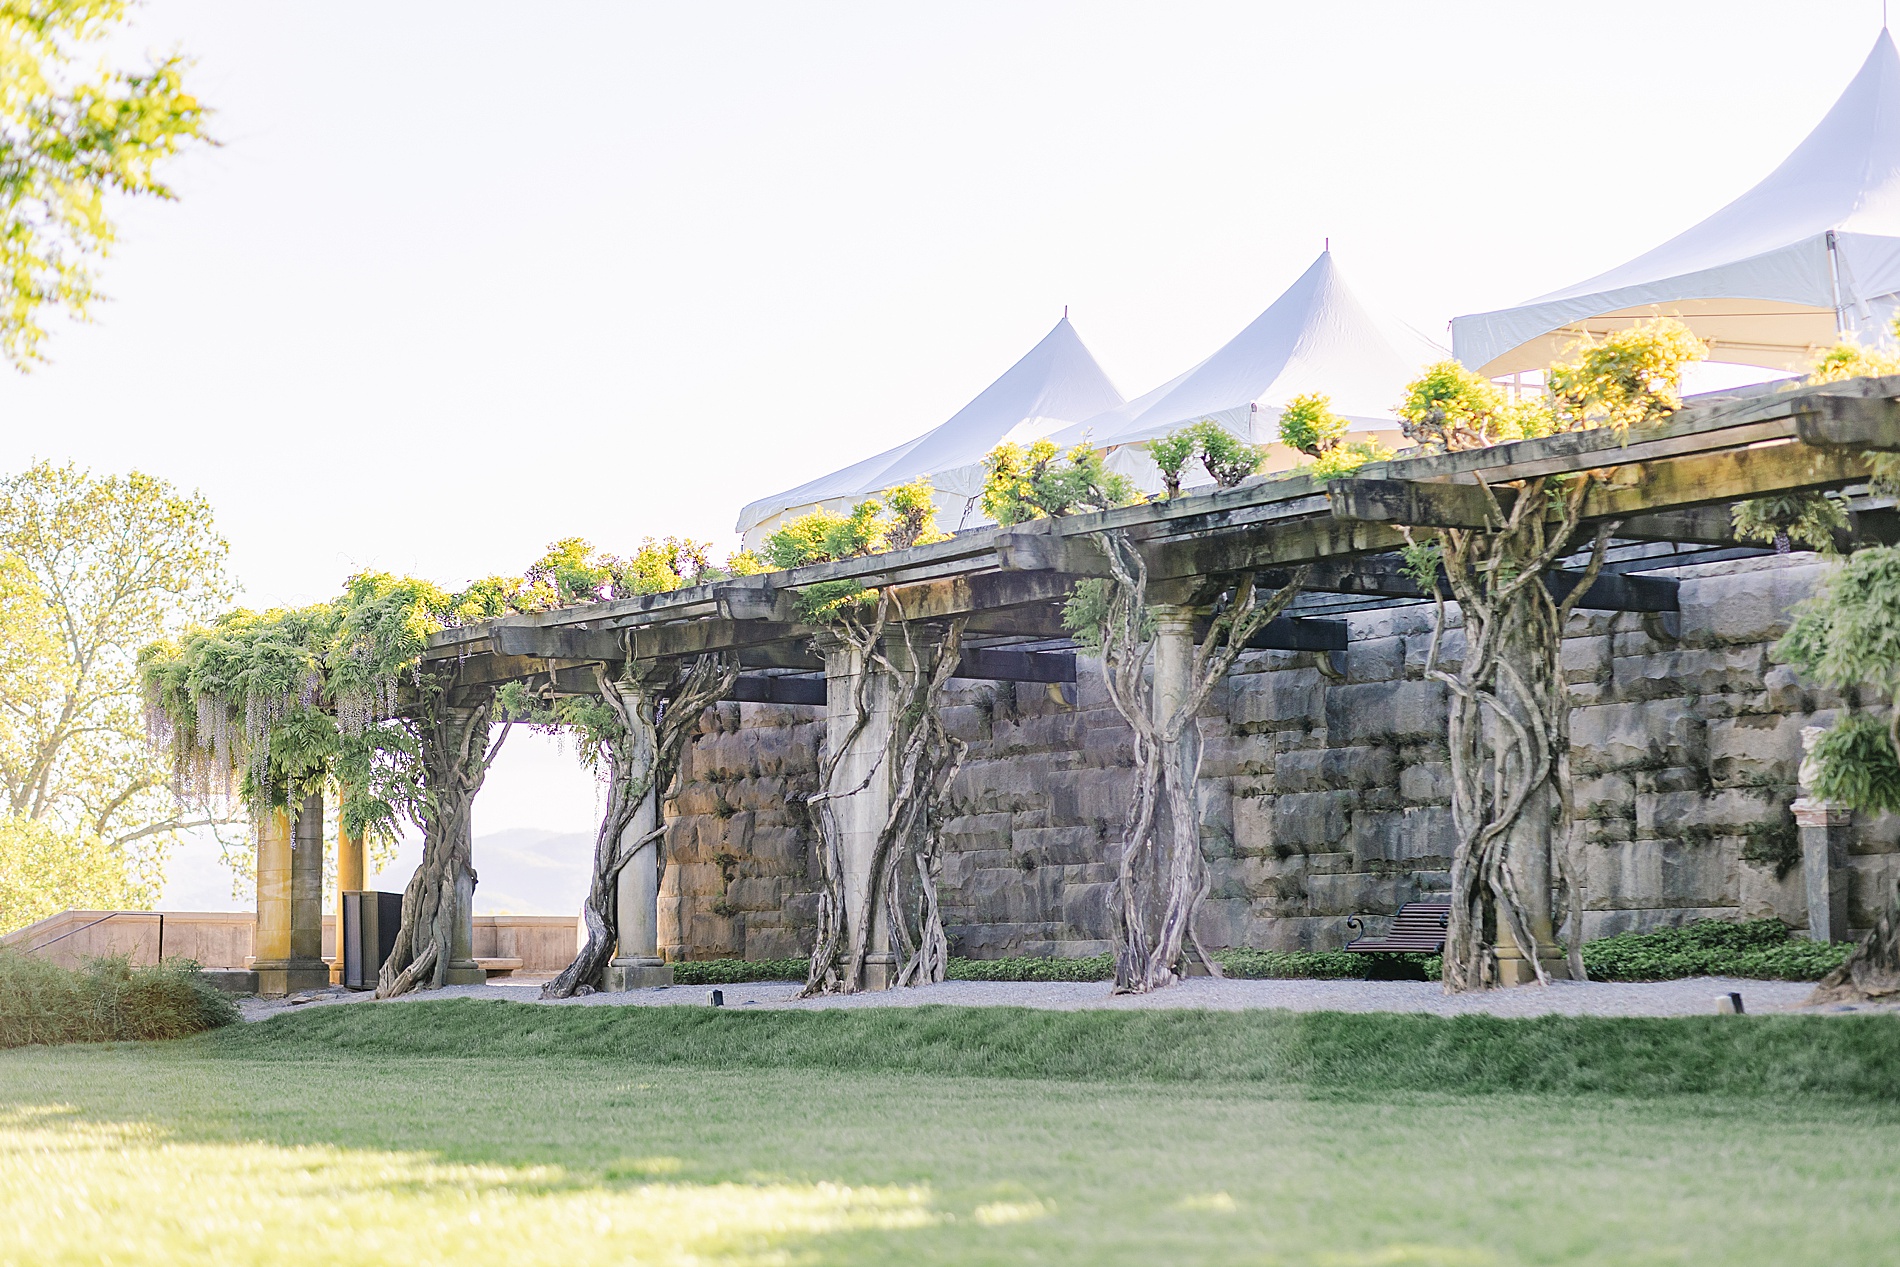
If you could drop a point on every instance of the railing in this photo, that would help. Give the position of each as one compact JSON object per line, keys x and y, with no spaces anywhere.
{"x":73,"y":932}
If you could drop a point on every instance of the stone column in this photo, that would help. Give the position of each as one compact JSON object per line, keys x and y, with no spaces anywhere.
{"x":861,"y":815}
{"x":289,"y":945}
{"x":637,"y":963}
{"x":1823,"y":829}
{"x":349,"y":879}
{"x":1173,"y":668}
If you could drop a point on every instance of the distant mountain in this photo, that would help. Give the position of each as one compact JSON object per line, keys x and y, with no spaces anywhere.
{"x":526,"y":871}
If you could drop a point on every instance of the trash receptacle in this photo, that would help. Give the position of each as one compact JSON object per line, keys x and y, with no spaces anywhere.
{"x":370,"y":921}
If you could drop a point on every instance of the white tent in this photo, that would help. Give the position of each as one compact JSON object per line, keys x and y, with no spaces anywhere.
{"x":1317,"y":337}
{"x":1771,"y":279}
{"x":1056,"y":383}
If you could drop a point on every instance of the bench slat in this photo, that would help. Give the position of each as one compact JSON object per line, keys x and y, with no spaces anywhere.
{"x":1418,"y":928}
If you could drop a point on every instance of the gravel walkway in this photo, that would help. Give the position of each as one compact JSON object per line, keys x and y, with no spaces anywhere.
{"x":1696,"y":996}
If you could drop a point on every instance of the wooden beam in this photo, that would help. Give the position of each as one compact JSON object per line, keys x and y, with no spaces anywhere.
{"x":1711,"y":478}
{"x":1002,"y":664}
{"x":665,"y":642}
{"x":1300,"y":633}
{"x":752,"y":598}
{"x":1700,"y":525}
{"x":568,"y":642}
{"x":1614,"y":591}
{"x":982,"y":592}
{"x":1617,"y":591}
{"x":760,"y":688}
{"x":1707,"y":455}
{"x":1039,"y":620}
{"x":1857,"y":422}
{"x":1415,"y":503}
{"x":781,"y":655}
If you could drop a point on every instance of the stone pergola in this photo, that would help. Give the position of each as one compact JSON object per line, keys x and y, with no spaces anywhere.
{"x":1669,"y":489}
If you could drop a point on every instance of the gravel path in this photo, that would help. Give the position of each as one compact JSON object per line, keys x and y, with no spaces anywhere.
{"x":1696,"y":996}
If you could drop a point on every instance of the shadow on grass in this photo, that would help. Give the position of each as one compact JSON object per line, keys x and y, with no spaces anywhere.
{"x":956,"y":1135}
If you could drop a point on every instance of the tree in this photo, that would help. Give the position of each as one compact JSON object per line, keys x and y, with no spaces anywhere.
{"x":272,"y":707}
{"x":44,"y":870}
{"x":918,"y":762}
{"x":1847,"y":635}
{"x":1044,"y":482}
{"x":632,"y":732}
{"x":1227,"y":458}
{"x":1508,"y":724}
{"x":70,"y":137}
{"x":1309,"y":425}
{"x":91,"y":569}
{"x":1162,"y":878}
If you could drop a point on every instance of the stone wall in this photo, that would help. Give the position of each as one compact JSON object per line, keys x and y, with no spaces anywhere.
{"x":1325,"y":790}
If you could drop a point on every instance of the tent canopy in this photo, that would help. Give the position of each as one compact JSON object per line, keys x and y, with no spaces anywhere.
{"x":1771,"y":279}
{"x":1317,"y":337}
{"x":1057,"y":382}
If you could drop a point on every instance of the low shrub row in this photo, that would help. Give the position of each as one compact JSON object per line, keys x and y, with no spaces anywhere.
{"x":1242,"y":962}
{"x":106,"y":1000}
{"x":735,"y":971}
{"x":1032,"y":968}
{"x":1760,"y":949}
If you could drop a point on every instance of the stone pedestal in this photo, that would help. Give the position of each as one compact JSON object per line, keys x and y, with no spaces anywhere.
{"x":1173,"y":660}
{"x":1823,"y":829}
{"x":289,"y":942}
{"x":462,"y":969}
{"x":1824,"y":867}
{"x":637,"y":964}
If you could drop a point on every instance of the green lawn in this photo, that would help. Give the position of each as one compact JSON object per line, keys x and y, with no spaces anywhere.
{"x":936,"y":1136}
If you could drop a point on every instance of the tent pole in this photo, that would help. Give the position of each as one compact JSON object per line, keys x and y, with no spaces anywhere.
{"x":1834,"y":282}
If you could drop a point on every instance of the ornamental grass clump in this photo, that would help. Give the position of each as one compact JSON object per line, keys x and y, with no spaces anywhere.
{"x":105,"y":1000}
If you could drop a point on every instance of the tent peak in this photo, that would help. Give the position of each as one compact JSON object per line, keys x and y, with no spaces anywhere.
{"x":1806,"y":253}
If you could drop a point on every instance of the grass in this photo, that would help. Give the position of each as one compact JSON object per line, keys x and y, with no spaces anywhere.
{"x":1322,"y":1052}
{"x":674,"y":1135}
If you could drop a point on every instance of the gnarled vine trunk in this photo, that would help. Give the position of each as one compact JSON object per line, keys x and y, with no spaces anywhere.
{"x":657,"y":711}
{"x":1872,"y":971}
{"x":1163,"y":877}
{"x":455,"y":754}
{"x":1509,"y":733}
{"x":919,"y":760}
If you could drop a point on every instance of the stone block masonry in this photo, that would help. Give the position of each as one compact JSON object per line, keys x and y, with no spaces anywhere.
{"x":1325,"y":790}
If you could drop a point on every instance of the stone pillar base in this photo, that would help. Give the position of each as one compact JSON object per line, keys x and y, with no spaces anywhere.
{"x":465,"y":972}
{"x":880,"y":971}
{"x":637,"y":974}
{"x":1514,"y":969}
{"x":278,"y":977}
{"x":1823,"y":831}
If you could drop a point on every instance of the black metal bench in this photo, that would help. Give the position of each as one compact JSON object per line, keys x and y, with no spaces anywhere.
{"x":1418,"y":929}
